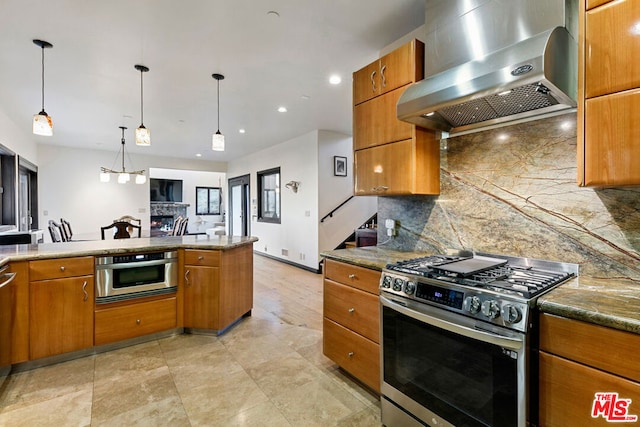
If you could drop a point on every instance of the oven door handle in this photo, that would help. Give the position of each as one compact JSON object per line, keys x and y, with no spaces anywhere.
{"x":133,"y":264}
{"x":486,"y":336}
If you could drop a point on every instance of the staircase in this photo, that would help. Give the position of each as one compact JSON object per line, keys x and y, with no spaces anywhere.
{"x":365,"y":235}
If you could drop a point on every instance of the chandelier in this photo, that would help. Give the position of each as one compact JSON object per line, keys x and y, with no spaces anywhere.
{"x":123,"y":175}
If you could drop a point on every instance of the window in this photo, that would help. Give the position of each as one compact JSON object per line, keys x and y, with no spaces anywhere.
{"x":269,"y":195}
{"x":208,"y":200}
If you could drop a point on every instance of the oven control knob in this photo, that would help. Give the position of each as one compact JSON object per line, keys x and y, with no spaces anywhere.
{"x":491,"y":309}
{"x":471,"y":304}
{"x":397,"y":284}
{"x":511,"y":313}
{"x":386,"y":281}
{"x":410,"y":288}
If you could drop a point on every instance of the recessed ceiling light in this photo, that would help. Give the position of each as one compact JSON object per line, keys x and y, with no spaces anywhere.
{"x":198,"y":155}
{"x":335,"y":79}
{"x":241,"y":131}
{"x":282,"y":109}
{"x":305,"y":97}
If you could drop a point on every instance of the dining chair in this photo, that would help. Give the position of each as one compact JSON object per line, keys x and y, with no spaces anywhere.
{"x":122,"y":228}
{"x":176,"y":226}
{"x":55,"y":230}
{"x":65,"y":227}
{"x":131,"y":219}
{"x":183,"y":227}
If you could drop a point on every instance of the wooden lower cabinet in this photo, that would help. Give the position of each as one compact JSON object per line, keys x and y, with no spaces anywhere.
{"x":117,"y":322}
{"x":351,"y":326}
{"x":20,"y":312}
{"x":586,"y":367}
{"x":352,"y":352}
{"x":60,"y":316}
{"x":218,"y":287}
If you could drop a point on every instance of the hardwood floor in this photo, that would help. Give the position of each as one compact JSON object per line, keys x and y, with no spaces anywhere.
{"x":267,"y":370}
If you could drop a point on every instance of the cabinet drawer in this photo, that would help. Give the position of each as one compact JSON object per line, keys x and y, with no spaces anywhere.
{"x":352,"y":308}
{"x":352,"y":275}
{"x":134,"y":320}
{"x":206,"y":258}
{"x":567,"y":392}
{"x":608,"y":349}
{"x":612,"y":48}
{"x":354,"y":353}
{"x":60,"y":268}
{"x":375,"y":122}
{"x":612,"y":139}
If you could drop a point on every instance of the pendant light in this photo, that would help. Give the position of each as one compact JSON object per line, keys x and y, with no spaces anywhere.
{"x":217,"y":141}
{"x":42,"y":123}
{"x":143,"y":135}
{"x":123,"y":175}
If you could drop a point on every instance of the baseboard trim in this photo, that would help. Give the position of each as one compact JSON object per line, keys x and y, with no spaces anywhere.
{"x":304,"y":267}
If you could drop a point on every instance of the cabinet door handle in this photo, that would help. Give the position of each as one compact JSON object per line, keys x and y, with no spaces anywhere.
{"x":84,"y":290}
{"x":186,"y":277}
{"x":350,"y":354}
{"x":380,"y":188}
{"x":352,"y":310}
{"x":384,"y":78}
{"x":373,"y":81}
{"x":137,"y":321}
{"x":352,"y":276}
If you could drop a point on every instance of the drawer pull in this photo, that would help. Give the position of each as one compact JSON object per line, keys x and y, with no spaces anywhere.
{"x":200,"y":258}
{"x":62,"y":268}
{"x":137,"y":321}
{"x":84,"y":290}
{"x":350,"y":354}
{"x":380,"y":188}
{"x":352,"y":310}
{"x":186,"y":277}
{"x":352,"y":276}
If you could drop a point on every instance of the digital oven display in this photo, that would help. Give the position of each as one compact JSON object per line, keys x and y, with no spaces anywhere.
{"x":448,"y":297}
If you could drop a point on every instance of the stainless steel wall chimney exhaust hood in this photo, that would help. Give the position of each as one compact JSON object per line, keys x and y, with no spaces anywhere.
{"x":533,"y":77}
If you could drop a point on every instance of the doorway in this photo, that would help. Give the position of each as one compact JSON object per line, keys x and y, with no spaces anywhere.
{"x":27,"y":195}
{"x":239,"y":206}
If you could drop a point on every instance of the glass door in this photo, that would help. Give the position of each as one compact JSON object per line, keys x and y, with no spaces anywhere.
{"x":239,"y":206}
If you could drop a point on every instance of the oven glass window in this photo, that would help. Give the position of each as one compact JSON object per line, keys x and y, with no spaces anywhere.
{"x":464,"y":381}
{"x":136,"y":276}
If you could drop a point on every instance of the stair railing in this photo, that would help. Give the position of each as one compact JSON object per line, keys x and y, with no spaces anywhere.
{"x":330,"y":214}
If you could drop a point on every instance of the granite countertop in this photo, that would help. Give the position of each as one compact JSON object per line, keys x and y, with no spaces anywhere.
{"x":119,"y":246}
{"x":610,"y":302}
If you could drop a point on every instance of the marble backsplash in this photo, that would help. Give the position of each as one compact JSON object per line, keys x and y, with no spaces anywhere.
{"x":513,"y":191}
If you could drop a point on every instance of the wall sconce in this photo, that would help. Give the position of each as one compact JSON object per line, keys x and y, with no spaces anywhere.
{"x":293,"y":185}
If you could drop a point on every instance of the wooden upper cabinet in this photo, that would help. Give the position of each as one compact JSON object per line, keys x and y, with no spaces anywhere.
{"x":375,"y":122}
{"x":612,"y":140}
{"x":608,"y":93}
{"x":406,"y":167}
{"x":612,"y":48}
{"x":595,"y":3}
{"x":402,"y":66}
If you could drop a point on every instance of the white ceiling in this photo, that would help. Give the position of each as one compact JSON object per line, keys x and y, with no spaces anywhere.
{"x":91,"y":86}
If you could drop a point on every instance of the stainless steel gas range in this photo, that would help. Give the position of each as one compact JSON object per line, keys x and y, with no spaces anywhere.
{"x":459,"y":338}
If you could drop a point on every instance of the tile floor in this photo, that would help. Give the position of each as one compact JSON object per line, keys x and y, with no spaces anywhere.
{"x":268,"y":370}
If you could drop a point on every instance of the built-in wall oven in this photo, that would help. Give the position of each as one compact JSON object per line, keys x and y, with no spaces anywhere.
{"x":458,"y":339}
{"x":127,"y":276}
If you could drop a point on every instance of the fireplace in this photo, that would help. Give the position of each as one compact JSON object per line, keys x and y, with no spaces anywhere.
{"x":163,"y":215}
{"x":161,"y":225}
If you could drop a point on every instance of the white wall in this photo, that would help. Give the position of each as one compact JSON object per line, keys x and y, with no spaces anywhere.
{"x":297,"y":233}
{"x":18,"y":139}
{"x":191,"y":180}
{"x":333,"y":190}
{"x":69,"y":187}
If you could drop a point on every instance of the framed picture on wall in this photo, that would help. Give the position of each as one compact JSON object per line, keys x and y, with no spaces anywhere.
{"x":339,"y":166}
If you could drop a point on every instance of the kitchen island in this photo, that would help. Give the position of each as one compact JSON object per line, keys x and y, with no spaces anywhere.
{"x":57,"y":312}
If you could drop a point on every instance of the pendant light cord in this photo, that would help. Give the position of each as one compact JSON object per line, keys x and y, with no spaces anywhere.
{"x":141,"y":99}
{"x":42,"y":77}
{"x":218,"y":80}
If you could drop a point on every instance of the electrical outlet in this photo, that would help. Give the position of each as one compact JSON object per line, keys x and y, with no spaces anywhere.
{"x":285,"y":252}
{"x":390,"y":223}
{"x":391,"y":232}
